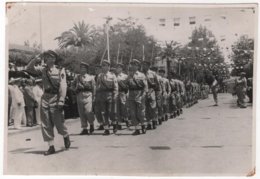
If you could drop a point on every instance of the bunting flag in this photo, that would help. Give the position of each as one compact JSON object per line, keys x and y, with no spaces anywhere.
{"x":192,"y":20}
{"x":162,"y":22}
{"x":176,"y":21}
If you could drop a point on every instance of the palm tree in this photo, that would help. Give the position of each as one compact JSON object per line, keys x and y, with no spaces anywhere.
{"x":169,"y":52}
{"x":80,"y":35}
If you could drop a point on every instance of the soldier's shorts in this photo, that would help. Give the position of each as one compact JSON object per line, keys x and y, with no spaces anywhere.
{"x":106,"y":107}
{"x":51,"y":116}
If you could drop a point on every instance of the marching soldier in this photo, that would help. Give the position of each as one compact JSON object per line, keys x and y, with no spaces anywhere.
{"x":214,"y":89}
{"x":97,"y":112}
{"x":55,"y":87}
{"x":108,"y":91}
{"x":241,"y":86}
{"x":188,"y":88}
{"x":85,"y":87}
{"x":150,"y":103}
{"x":159,"y":96}
{"x":165,"y":95}
{"x":137,"y":92}
{"x":122,"y":96}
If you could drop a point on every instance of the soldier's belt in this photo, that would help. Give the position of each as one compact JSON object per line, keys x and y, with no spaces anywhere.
{"x":50,"y":91}
{"x":106,"y":90}
{"x":84,"y":90}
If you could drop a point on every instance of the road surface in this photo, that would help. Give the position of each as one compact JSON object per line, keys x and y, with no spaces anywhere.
{"x":205,"y":140}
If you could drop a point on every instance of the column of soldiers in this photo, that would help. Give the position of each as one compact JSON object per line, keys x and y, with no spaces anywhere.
{"x":142,"y":98}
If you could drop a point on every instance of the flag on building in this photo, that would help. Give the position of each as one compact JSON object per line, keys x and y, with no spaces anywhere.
{"x":192,"y":20}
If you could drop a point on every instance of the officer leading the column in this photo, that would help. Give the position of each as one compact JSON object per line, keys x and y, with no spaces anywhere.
{"x":55,"y":87}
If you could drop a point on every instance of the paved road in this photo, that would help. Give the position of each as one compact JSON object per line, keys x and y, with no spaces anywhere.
{"x":205,"y":140}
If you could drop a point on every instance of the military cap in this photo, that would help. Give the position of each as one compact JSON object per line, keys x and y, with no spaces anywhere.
{"x":105,"y":62}
{"x":154,"y":68}
{"x":84,"y":64}
{"x":242,"y":73}
{"x":161,"y":71}
{"x":50,"y":53}
{"x":135,"y":62}
{"x":38,"y":80}
{"x":147,"y":63}
{"x":120,"y":65}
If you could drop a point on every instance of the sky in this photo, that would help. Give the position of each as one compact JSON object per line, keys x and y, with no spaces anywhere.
{"x":23,"y":20}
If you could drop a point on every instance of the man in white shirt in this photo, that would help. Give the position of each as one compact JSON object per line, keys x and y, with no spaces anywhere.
{"x":17,"y":106}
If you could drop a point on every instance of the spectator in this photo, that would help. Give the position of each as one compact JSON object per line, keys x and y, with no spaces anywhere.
{"x":18,"y":104}
{"x":38,"y":92}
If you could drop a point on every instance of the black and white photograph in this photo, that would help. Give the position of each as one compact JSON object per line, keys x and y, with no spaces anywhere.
{"x":130,"y":89}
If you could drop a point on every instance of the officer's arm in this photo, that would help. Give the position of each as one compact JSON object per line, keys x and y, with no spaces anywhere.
{"x":93,"y":88}
{"x":31,"y":66}
{"x":115,"y":92}
{"x":169,"y":87}
{"x":63,"y":86}
{"x":145,"y":86}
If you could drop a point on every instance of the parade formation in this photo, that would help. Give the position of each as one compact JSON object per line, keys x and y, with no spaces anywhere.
{"x":129,"y":89}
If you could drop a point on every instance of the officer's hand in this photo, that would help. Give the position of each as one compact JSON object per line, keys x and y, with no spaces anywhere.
{"x":60,"y":105}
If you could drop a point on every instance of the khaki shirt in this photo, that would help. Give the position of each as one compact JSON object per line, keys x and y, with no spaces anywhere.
{"x":107,"y":82}
{"x":137,"y":92}
{"x":53,"y":79}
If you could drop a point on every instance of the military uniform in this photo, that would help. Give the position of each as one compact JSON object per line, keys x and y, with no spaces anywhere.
{"x":85,"y":87}
{"x":138,"y":88}
{"x":241,"y":86}
{"x":107,"y":88}
{"x":150,"y":102}
{"x":55,"y":88}
{"x":166,"y":97}
{"x":122,"y":97}
{"x":159,"y":99}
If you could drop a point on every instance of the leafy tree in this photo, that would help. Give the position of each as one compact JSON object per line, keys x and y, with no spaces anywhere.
{"x":242,"y":57}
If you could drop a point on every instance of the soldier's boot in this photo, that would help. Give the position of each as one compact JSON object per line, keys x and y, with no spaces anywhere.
{"x":143,"y":129}
{"x":67,"y":142}
{"x":50,"y":151}
{"x":136,"y":132}
{"x":166,"y":117}
{"x":84,"y":132}
{"x":106,"y":132}
{"x":163,"y":118}
{"x":181,"y":111}
{"x":178,"y":112}
{"x":119,"y":127}
{"x":91,"y":129}
{"x":174,"y":114}
{"x":154,"y":124}
{"x":149,"y":127}
{"x":114,"y":128}
{"x":101,"y":127}
{"x":159,"y":121}
{"x":127,"y":123}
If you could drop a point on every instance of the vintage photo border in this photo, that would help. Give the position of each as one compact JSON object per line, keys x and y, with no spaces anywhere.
{"x":4,"y":65}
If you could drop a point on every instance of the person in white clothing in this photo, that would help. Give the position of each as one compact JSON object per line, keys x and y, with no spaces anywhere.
{"x":17,"y":103}
{"x":38,"y":92}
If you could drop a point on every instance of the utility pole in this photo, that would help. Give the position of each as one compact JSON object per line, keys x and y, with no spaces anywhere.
{"x":108,"y":19}
{"x":118,"y":52}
